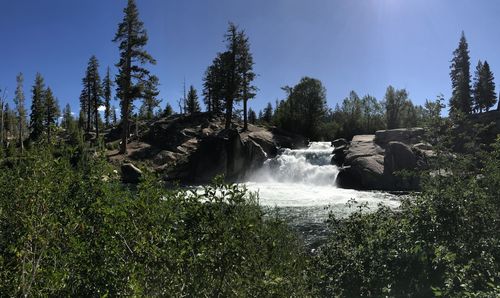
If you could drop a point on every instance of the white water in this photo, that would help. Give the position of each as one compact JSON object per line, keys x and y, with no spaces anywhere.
{"x":301,"y":184}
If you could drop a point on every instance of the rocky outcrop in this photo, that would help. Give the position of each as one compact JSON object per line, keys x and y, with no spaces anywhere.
{"x":404,"y":135}
{"x":196,"y":148}
{"x":375,"y":161}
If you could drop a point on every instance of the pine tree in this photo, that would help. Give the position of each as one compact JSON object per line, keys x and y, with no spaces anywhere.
{"x":252,"y":116}
{"x":168,"y":110}
{"x":489,"y":94}
{"x":230,"y":59}
{"x":461,"y":100}
{"x":267,"y":115}
{"x":192,"y":104}
{"x":2,"y":127}
{"x":132,"y":38}
{"x":113,"y":114}
{"x":245,"y":68}
{"x":214,"y":83}
{"x":93,"y":87}
{"x":19,"y":100}
{"x":52,"y":112}
{"x":107,"y":84}
{"x":37,"y":115}
{"x":67,"y":117}
{"x":150,"y":100}
{"x":477,"y":90}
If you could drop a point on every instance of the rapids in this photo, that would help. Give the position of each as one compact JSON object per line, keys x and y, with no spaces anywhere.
{"x":300,"y":185}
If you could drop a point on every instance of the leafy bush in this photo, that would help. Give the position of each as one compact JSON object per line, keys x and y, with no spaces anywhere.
{"x":444,"y":241}
{"x":77,"y":231}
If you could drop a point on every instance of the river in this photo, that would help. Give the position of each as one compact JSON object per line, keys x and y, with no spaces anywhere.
{"x":300,"y":185}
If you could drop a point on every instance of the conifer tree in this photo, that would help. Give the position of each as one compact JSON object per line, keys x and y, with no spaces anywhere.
{"x":461,"y":99}
{"x":489,"y":94}
{"x":107,"y":84}
{"x":52,"y":112}
{"x":93,"y":87}
{"x":230,"y":60}
{"x":214,"y":83}
{"x":477,"y":90}
{"x":168,"y":110}
{"x":245,"y":64}
{"x":113,"y":114}
{"x":267,"y":115}
{"x":19,"y":100}
{"x":150,"y":100}
{"x":37,"y":114}
{"x":484,"y":88}
{"x":132,"y":38}
{"x":252,"y":116}
{"x":2,"y":127}
{"x":67,"y":117}
{"x":192,"y":104}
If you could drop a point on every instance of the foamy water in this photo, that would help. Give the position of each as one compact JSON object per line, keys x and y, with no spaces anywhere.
{"x":301,"y":184}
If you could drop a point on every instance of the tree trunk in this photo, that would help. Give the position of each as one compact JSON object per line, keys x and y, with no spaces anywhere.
{"x":245,"y":117}
{"x":123,"y":146}
{"x":21,"y":143}
{"x":229,"y":113}
{"x":96,"y":111}
{"x":89,"y":109}
{"x":2,"y":124}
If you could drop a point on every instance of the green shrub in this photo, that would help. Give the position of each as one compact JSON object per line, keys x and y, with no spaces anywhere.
{"x":69,"y":230}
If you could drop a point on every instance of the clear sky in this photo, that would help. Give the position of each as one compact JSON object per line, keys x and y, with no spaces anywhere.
{"x":361,"y":45}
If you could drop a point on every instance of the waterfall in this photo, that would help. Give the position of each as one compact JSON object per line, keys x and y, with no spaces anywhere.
{"x":309,"y":166}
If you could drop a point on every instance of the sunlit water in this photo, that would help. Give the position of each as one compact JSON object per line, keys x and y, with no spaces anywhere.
{"x":300,"y":186}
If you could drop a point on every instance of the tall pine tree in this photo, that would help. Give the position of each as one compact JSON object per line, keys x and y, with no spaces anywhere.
{"x":37,"y":114}
{"x":19,"y":100}
{"x":107,"y":84}
{"x":150,"y":101}
{"x":461,"y":99}
{"x":477,"y":91}
{"x":245,"y":67}
{"x":489,"y":94}
{"x":132,"y":38}
{"x":52,"y":112}
{"x":192,"y":104}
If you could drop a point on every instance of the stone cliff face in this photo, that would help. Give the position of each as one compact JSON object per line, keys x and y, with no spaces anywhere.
{"x":372,"y":161}
{"x":196,"y":148}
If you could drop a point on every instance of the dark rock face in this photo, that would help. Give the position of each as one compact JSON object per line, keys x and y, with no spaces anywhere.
{"x":130,"y":173}
{"x":339,"y":143}
{"x":404,"y":135}
{"x":374,"y":161}
{"x":195,"y":148}
{"x":398,"y":156}
{"x":339,"y":152}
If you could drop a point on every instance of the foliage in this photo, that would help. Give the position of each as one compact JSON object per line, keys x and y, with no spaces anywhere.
{"x":132,"y":77}
{"x":192,"y":104}
{"x":37,"y":109}
{"x":304,"y":108}
{"x":107,"y":84}
{"x":461,"y":99}
{"x":484,"y":88}
{"x":72,"y":229}
{"x":442,"y":242}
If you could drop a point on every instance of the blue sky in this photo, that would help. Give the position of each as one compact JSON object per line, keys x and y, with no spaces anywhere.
{"x":361,"y":45}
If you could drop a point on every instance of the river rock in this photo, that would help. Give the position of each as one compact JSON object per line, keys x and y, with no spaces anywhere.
{"x":130,"y":173}
{"x":404,"y":135}
{"x":340,"y":142}
{"x":398,"y":156}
